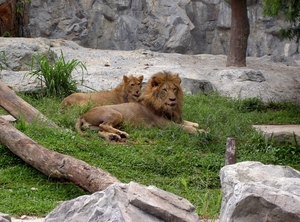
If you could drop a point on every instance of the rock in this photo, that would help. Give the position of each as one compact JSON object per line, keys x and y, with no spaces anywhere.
{"x":4,"y":217}
{"x":200,"y":73}
{"x":178,"y":26}
{"x":195,"y":86}
{"x":283,"y":59}
{"x":252,"y":75}
{"x":18,"y":56}
{"x":26,"y":218}
{"x":255,"y":192}
{"x":125,"y":202}
{"x":280,"y":133}
{"x":20,"y":81}
{"x":241,"y":75}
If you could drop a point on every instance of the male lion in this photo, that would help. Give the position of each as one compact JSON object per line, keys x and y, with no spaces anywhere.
{"x":159,"y":105}
{"x":127,"y":91}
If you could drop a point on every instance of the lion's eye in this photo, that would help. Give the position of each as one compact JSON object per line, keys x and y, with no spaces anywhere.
{"x":165,"y":90}
{"x":132,"y":84}
{"x":175,"y":90}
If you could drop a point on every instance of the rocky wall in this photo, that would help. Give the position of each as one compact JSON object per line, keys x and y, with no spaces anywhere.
{"x":178,"y":26}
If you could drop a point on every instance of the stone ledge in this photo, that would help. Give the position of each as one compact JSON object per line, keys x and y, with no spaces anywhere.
{"x":280,"y":133}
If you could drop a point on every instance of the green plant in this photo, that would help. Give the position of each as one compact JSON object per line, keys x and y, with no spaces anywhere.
{"x":250,"y":104}
{"x":56,"y":73}
{"x":3,"y":63}
{"x":6,"y":34}
{"x":21,"y":124}
{"x":20,"y":6}
{"x":289,"y":10}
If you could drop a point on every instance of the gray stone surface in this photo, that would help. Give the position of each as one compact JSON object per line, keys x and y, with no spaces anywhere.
{"x":280,"y":133}
{"x":261,"y":78}
{"x":178,"y":26}
{"x":255,"y":192}
{"x":125,"y":202}
{"x":4,"y":217}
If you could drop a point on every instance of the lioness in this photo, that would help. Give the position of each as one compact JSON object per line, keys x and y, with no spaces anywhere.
{"x":127,"y":91}
{"x":159,"y":105}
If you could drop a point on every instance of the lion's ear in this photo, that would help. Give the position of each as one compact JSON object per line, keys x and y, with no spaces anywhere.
{"x":154,"y":82}
{"x":141,"y":78}
{"x":177,"y":80}
{"x":125,"y":79}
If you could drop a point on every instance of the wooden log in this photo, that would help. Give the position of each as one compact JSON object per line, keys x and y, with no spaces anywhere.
{"x":17,"y":107}
{"x":230,"y":154}
{"x":53,"y":164}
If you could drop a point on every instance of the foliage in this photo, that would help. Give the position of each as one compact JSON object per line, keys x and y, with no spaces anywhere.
{"x":20,"y":6}
{"x":55,"y":73}
{"x":250,"y":104}
{"x":291,"y":11}
{"x":186,"y":165}
{"x":6,"y":34}
{"x":3,"y":63}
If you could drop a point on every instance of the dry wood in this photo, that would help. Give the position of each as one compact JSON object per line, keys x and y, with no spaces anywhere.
{"x":17,"y":107}
{"x":230,"y":154}
{"x":53,"y":164}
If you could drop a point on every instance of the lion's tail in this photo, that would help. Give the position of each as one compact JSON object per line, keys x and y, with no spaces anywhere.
{"x":78,"y":126}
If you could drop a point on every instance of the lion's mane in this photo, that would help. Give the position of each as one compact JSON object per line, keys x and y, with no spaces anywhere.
{"x":151,"y":95}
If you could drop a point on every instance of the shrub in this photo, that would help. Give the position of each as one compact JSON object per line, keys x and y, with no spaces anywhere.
{"x":3,"y":64}
{"x":55,"y":73}
{"x":250,"y":104}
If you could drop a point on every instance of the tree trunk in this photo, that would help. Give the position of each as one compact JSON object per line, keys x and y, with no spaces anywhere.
{"x":17,"y":107}
{"x":8,"y":19}
{"x":230,"y":153}
{"x":53,"y":164}
{"x":239,"y":34}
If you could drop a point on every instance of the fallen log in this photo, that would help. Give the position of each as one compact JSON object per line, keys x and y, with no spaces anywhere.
{"x":17,"y":107}
{"x":54,"y":164}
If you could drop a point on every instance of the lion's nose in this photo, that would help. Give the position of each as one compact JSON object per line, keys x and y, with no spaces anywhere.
{"x":172,"y":101}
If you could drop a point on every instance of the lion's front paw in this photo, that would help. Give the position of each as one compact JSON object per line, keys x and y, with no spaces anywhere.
{"x":188,"y":123}
{"x":190,"y":129}
{"x":201,"y":131}
{"x":114,"y":137}
{"x":123,"y":134}
{"x":195,"y":125}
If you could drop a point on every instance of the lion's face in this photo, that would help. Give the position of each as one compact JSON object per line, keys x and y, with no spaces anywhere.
{"x":133,"y":85}
{"x":164,"y":95}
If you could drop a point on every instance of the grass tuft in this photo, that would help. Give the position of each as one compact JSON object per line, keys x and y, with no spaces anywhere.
{"x":55,"y":73}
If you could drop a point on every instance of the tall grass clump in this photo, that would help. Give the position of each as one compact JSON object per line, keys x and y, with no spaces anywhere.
{"x":55,"y":73}
{"x":3,"y":63}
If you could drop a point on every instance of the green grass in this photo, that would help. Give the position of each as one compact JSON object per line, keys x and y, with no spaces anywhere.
{"x":187,"y":165}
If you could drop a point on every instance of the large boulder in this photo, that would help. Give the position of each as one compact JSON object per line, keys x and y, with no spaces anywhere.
{"x":4,"y":217}
{"x":182,"y":26}
{"x":255,"y":192}
{"x":125,"y":202}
